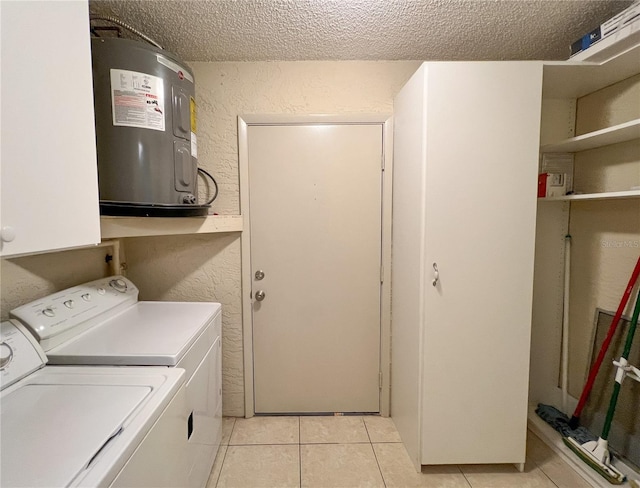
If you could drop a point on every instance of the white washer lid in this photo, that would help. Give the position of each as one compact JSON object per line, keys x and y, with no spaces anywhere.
{"x":145,"y":334}
{"x":78,"y":421}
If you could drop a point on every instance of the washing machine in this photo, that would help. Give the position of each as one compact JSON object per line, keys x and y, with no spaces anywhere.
{"x":102,"y":323}
{"x":81,"y":426}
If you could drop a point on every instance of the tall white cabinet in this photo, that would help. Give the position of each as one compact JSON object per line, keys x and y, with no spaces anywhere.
{"x":466,"y":144}
{"x":49,"y":173}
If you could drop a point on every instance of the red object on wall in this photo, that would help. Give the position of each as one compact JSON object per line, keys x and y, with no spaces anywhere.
{"x":542,"y":185}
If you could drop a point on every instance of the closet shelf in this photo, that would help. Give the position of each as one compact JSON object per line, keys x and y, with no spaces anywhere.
{"x":114,"y":227}
{"x":610,"y":195}
{"x":574,"y":79}
{"x":604,"y":137}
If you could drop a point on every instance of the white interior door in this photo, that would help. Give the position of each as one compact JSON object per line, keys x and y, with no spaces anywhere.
{"x":315,"y":207}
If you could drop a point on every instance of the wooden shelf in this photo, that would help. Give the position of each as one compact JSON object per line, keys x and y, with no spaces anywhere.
{"x":574,"y":79}
{"x":610,"y":195}
{"x":114,"y":227}
{"x":604,"y":137}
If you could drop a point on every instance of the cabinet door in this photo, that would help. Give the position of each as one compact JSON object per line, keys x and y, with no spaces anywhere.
{"x":49,"y":173}
{"x":482,"y":136}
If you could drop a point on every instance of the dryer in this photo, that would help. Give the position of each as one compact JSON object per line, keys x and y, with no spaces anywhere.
{"x":82,"y":426}
{"x":102,"y":323}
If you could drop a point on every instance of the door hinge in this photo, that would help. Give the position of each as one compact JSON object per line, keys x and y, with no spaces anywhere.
{"x":382,"y":273}
{"x":382,"y":162}
{"x":380,"y":380}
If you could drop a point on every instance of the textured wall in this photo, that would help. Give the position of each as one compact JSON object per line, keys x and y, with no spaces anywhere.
{"x":207,"y":267}
{"x":29,"y":278}
{"x":612,"y":105}
{"x":605,"y":234}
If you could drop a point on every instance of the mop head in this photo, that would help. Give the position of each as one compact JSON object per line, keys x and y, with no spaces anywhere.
{"x":596,"y":455}
{"x":560,"y":422}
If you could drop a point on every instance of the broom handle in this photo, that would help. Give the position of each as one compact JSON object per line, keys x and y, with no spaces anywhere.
{"x":632,"y":329}
{"x":605,"y":345}
{"x":616,"y":386}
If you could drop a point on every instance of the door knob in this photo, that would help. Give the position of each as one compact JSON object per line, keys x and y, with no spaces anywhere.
{"x":259,"y":275}
{"x":260,"y":295}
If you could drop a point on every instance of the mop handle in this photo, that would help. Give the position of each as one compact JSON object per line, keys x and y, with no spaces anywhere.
{"x":632,"y":329}
{"x":605,"y":345}
{"x":619,"y":377}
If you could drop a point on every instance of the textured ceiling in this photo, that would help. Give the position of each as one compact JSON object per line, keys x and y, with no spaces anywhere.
{"x":261,"y":30}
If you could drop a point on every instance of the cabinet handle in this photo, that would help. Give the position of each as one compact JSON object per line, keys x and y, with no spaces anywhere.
{"x":436,"y":275}
{"x":7,"y":234}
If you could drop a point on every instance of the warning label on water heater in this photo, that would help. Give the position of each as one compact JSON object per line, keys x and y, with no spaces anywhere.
{"x":137,"y":99}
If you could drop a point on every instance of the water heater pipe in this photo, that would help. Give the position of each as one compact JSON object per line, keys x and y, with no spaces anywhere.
{"x":116,"y":263}
{"x":124,"y":25}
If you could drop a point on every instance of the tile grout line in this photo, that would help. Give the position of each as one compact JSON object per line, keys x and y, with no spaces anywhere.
{"x":334,"y":443}
{"x":375,"y":456}
{"x":539,"y":466}
{"x":309,"y":444}
{"x":296,"y":444}
{"x":300,"y":449}
{"x":464,"y":475}
{"x":233,"y":427}
{"x":544,"y":473}
{"x":266,"y":444}
{"x":225,"y":453}
{"x":222,"y":465}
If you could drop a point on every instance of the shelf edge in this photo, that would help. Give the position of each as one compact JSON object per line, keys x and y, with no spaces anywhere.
{"x":574,"y":79}
{"x":118,"y":227}
{"x":625,"y":132}
{"x":613,"y":195}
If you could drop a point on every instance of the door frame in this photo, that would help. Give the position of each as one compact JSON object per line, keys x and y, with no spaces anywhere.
{"x":384,"y":120}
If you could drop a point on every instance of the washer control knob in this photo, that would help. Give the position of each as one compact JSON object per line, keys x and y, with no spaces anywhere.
{"x":118,"y":285}
{"x":86,"y":297}
{"x":6,"y":354}
{"x":49,"y":312}
{"x":69,"y":304}
{"x":101,"y":291}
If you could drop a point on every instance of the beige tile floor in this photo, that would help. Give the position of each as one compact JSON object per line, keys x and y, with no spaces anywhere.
{"x":349,"y":452}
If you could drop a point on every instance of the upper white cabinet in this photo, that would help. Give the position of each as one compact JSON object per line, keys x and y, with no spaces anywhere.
{"x":466,"y":141}
{"x":49,"y":181}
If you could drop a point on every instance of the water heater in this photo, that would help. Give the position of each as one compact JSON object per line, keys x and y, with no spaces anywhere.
{"x":145,"y":130}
